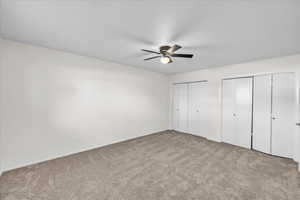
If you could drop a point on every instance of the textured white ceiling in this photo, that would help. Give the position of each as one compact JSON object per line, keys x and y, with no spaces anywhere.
{"x":218,"y":32}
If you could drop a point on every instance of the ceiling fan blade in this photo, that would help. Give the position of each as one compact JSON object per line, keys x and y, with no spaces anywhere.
{"x":152,"y":57}
{"x":174,"y":48}
{"x":182,"y":55}
{"x":149,"y":51}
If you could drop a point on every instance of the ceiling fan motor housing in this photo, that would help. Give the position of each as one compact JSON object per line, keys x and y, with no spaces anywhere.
{"x":163,"y":49}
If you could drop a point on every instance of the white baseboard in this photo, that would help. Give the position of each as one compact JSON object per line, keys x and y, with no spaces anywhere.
{"x":79,"y":151}
{"x":215,"y":140}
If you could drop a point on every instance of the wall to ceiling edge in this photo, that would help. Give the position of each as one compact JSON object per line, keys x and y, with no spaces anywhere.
{"x":215,"y":76}
{"x":55,"y":103}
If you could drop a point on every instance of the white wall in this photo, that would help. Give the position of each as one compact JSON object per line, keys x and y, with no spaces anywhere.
{"x":215,"y":76}
{"x":54,"y":103}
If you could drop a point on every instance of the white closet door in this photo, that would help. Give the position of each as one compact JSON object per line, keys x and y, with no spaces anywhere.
{"x":176,"y":92}
{"x":229,"y":101}
{"x":198,"y":109}
{"x":284,"y":116}
{"x":262,"y":108}
{"x":180,"y":120}
{"x":243,"y":92}
{"x":298,"y":127}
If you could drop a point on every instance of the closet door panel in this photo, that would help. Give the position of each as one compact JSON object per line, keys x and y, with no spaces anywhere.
{"x":262,"y":108}
{"x":183,"y":122}
{"x":198,"y":109}
{"x":176,"y":95}
{"x":243,"y":92}
{"x":181,"y":107}
{"x":228,"y":105}
{"x":283,"y":115}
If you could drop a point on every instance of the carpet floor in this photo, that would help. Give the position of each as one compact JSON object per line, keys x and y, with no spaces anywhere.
{"x":163,"y":166}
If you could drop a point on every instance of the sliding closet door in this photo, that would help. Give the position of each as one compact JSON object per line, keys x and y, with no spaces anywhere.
{"x":175,"y":121}
{"x":297,"y":143}
{"x":229,"y":102}
{"x":198,"y":109}
{"x":180,"y":119}
{"x":243,"y":117}
{"x":284,"y":116}
{"x":262,"y":109}
{"x":237,"y":111}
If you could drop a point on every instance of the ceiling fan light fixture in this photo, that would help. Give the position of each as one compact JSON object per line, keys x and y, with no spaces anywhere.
{"x":166,"y":53}
{"x":165,"y":60}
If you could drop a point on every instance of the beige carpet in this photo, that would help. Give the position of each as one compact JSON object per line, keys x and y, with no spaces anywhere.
{"x":168,"y":165}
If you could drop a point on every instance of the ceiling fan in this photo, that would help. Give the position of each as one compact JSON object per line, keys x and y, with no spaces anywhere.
{"x":166,"y":53}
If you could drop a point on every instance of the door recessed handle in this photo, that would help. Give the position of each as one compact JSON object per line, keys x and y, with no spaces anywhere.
{"x":273,"y":118}
{"x":234,"y":114}
{"x":298,"y":124}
